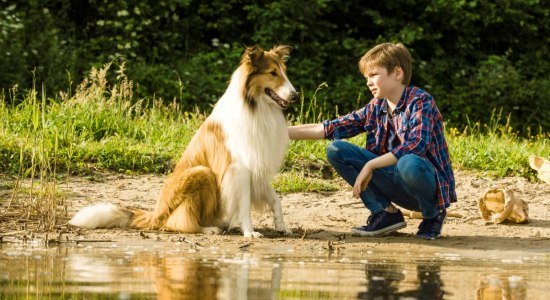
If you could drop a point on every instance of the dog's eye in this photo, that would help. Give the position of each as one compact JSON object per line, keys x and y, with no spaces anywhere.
{"x":273,"y":73}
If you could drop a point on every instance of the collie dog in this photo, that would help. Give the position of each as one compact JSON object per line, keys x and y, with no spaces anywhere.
{"x":228,"y":165}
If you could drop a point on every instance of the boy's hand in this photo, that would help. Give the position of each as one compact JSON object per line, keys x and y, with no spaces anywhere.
{"x":362,"y":180}
{"x":365,"y":176}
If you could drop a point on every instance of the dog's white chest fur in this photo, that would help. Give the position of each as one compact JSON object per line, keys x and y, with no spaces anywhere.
{"x":257,"y":138}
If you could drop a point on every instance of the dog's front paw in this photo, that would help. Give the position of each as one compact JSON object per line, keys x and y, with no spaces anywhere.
{"x":254,"y":234}
{"x":283,"y":229}
{"x":211,"y":230}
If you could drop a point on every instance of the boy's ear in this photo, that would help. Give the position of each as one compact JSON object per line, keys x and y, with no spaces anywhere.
{"x":398,"y":73}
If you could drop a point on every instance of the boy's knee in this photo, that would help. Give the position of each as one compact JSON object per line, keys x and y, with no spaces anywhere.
{"x":412,"y":167}
{"x":334,"y":148}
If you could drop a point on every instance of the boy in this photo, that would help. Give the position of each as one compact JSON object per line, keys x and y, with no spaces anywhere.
{"x":405,"y":160}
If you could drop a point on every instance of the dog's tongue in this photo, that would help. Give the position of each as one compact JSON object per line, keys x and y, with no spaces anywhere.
{"x":276,"y":98}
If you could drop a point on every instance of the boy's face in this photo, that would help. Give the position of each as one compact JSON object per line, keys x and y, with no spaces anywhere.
{"x":383,"y":84}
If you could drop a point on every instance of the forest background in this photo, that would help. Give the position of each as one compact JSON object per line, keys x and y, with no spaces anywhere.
{"x":472,"y":56}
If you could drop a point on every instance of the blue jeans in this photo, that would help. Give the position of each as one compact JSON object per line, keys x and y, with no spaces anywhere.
{"x":410,"y":183}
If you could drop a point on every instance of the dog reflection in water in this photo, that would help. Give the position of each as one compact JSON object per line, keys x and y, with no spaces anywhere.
{"x":177,"y":278}
{"x":173,"y":276}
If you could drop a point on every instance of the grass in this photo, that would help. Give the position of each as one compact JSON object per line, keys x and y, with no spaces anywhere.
{"x":103,"y":127}
{"x":99,"y":127}
{"x":495,"y":149}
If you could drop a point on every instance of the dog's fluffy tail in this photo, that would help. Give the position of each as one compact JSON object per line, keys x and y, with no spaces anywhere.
{"x":103,"y":215}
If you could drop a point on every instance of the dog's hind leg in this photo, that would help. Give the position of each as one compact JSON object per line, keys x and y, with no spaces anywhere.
{"x":189,"y":200}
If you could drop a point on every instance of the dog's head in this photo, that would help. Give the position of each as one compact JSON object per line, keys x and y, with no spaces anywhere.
{"x":266,"y":78}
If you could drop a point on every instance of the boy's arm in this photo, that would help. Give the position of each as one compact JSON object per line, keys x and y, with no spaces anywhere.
{"x":364,"y":177}
{"x":307,"y":132}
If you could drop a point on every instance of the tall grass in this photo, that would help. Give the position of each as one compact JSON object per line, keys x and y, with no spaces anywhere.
{"x":103,"y":127}
{"x":41,"y":199}
{"x":100,"y":127}
{"x":495,"y":149}
{"x":305,"y":167}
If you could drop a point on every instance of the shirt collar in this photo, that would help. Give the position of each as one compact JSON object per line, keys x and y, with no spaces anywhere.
{"x":385,"y":105}
{"x":399,"y":104}
{"x":403,"y":98}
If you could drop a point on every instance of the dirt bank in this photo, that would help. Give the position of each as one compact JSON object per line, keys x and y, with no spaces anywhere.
{"x":318,"y":220}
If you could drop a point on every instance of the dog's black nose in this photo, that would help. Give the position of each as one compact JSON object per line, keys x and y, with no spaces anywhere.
{"x":294,"y":97}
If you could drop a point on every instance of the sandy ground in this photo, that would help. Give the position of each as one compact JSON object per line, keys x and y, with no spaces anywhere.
{"x":318,"y":220}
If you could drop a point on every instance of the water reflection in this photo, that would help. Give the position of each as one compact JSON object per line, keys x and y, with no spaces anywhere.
{"x":493,"y":287}
{"x":384,"y":281}
{"x":168,"y":272}
{"x":175,"y":278}
{"x":174,"y":274}
{"x":430,"y":283}
{"x":184,"y":277}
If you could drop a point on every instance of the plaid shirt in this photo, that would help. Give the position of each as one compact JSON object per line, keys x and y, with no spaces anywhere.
{"x":419,"y":127}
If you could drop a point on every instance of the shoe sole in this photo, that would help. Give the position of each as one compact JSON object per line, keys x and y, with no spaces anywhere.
{"x":429,"y":238}
{"x":381,"y":232}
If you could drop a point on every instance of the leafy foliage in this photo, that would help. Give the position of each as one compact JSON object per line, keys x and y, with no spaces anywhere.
{"x":472,"y":56}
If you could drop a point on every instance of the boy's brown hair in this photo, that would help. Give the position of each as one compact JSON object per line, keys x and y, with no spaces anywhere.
{"x":389,"y":56}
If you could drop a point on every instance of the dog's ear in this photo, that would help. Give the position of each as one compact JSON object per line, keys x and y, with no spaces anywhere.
{"x":253,"y":55}
{"x":282,"y":52}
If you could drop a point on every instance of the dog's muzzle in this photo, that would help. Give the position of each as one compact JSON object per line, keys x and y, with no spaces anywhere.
{"x":282,"y":102}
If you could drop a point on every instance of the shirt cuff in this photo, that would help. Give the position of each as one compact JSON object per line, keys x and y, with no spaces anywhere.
{"x":398,"y":151}
{"x":326,"y":125}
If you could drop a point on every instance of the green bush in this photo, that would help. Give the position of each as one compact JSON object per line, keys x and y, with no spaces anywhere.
{"x":472,"y":56}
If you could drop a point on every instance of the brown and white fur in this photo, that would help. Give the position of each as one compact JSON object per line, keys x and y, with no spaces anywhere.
{"x":228,"y":165}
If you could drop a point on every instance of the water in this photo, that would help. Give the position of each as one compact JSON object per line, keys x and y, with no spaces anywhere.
{"x":179,"y":271}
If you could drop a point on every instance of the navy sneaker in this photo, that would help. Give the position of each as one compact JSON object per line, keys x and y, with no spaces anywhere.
{"x":382,"y":223}
{"x":431,"y":228}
